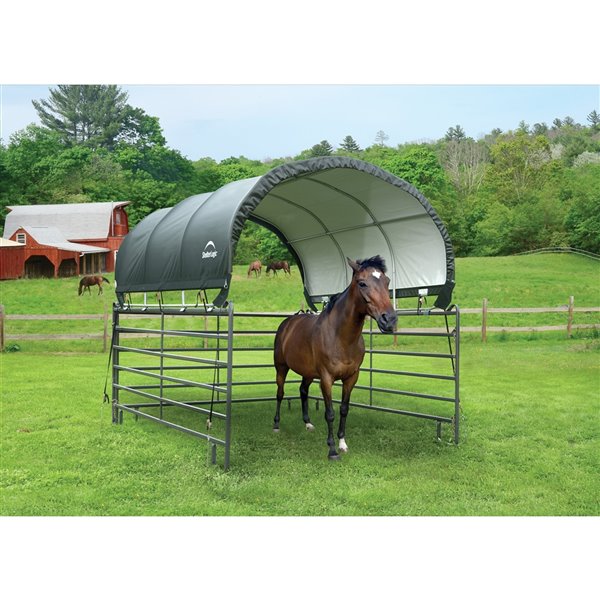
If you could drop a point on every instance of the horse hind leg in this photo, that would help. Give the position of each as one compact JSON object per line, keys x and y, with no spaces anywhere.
{"x":306,"y":381}
{"x":282,"y":371}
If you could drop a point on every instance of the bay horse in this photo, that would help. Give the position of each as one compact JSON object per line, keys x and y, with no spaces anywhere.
{"x":330,"y":347}
{"x":90,"y":280}
{"x":255,"y":266}
{"x":277,"y":265}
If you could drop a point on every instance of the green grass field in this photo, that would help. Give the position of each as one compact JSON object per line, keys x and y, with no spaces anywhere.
{"x":529,"y":440}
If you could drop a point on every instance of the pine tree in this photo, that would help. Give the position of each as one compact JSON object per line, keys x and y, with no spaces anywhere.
{"x":594,"y":119}
{"x":455,"y":134}
{"x":91,"y":115}
{"x":323,"y":148}
{"x":349,"y":144}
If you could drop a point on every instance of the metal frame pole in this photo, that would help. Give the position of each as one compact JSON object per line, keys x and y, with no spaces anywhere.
{"x":457,"y":377}
{"x":117,"y":415}
{"x":229,"y":387}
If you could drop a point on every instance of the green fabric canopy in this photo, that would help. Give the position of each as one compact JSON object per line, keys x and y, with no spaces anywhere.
{"x":324,"y":209}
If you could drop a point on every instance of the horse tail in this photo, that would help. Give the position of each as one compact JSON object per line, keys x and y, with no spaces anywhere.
{"x":104,"y":278}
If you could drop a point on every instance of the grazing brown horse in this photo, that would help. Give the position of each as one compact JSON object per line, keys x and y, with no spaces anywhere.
{"x":255,"y":266}
{"x":90,"y":280}
{"x":277,"y":265}
{"x":330,"y":346}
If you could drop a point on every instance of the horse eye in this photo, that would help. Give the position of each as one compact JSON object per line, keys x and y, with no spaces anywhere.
{"x":362,"y":284}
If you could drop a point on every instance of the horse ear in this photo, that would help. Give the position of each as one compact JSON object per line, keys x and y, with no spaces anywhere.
{"x":353,"y":264}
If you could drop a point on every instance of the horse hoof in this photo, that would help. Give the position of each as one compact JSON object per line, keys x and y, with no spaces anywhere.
{"x":335,"y":456}
{"x":342,"y":445}
{"x":275,"y":429}
{"x":310,"y":427}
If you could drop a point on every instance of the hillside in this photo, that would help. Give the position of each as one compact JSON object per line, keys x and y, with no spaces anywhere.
{"x":511,"y":281}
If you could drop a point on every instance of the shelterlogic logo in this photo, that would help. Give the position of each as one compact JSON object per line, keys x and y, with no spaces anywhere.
{"x":209,"y":251}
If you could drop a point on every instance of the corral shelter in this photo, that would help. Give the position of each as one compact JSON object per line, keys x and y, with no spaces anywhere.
{"x":323,"y":209}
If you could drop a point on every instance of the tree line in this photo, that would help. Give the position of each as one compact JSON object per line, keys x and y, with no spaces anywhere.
{"x":510,"y":191}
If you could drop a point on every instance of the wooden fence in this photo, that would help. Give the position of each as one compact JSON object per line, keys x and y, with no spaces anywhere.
{"x":569,"y":309}
{"x":105,"y":323}
{"x":105,"y":320}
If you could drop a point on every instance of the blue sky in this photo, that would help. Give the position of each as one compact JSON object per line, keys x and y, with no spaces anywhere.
{"x":269,"y":121}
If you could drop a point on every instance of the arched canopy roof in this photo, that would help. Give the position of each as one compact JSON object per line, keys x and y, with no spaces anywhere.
{"x":324,"y":210}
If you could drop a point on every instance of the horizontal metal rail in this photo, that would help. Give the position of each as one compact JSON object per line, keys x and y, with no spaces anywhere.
{"x":407,"y":353}
{"x":400,"y":392}
{"x":173,"y":332}
{"x":165,"y":400}
{"x":186,"y":382}
{"x":424,"y":333}
{"x":398,"y":411}
{"x":172,"y":425}
{"x":158,"y":353}
{"x":409,"y":374}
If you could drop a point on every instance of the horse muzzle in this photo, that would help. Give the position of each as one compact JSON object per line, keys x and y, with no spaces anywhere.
{"x":387,"y":321}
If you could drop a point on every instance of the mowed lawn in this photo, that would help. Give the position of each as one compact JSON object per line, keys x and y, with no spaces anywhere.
{"x":530,"y":425}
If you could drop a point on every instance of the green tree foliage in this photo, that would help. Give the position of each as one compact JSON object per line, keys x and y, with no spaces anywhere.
{"x":507,"y":192}
{"x":518,"y":166}
{"x":323,"y":148}
{"x":594,"y":119}
{"x":582,"y":220}
{"x":91,"y":115}
{"x":139,"y":129}
{"x":258,"y":243}
{"x":419,"y":165}
{"x":349,"y":145}
{"x":455,"y":134}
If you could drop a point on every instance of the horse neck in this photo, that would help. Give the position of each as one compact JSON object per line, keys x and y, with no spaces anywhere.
{"x":347,"y":316}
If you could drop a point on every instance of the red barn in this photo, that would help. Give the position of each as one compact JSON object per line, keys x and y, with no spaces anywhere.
{"x":62,"y":240}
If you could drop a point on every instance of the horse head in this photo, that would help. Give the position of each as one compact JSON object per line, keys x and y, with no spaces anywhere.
{"x":371,"y":284}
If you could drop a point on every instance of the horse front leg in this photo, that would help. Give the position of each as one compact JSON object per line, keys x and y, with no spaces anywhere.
{"x":326,"y":384}
{"x":306,"y":381}
{"x":347,"y":387}
{"x":282,"y":372}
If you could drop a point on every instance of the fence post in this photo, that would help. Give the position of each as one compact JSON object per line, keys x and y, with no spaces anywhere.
{"x":570,"y":318}
{"x":484,"y":321}
{"x":1,"y":327}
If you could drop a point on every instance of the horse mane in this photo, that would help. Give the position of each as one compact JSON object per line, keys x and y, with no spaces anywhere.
{"x":376,"y":262}
{"x":331,"y":302}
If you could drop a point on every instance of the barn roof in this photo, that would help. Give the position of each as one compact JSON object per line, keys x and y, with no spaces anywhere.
{"x":79,"y":221}
{"x":324,"y":210}
{"x":51,"y":236}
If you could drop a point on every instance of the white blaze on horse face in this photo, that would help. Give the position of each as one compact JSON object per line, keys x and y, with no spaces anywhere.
{"x":376,"y":274}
